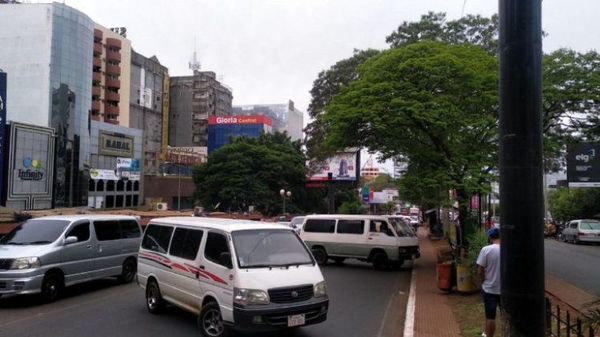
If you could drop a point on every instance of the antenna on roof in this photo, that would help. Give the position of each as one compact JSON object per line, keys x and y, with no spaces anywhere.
{"x":194,"y":64}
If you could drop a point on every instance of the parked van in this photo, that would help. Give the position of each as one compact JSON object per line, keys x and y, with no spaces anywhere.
{"x":44,"y":255}
{"x":239,"y":274}
{"x":371,"y":238}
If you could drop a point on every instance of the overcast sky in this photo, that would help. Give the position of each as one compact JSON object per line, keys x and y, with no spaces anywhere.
{"x":270,"y":51}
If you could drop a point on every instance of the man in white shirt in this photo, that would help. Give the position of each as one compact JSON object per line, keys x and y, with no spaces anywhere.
{"x":488,"y":264}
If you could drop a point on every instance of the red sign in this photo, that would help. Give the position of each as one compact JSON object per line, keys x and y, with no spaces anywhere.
{"x":220,"y":120}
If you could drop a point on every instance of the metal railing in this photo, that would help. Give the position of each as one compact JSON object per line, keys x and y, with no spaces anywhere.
{"x":559,"y":323}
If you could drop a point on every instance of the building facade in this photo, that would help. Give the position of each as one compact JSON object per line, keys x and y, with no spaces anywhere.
{"x":116,"y":160}
{"x":221,"y":129}
{"x":285,"y":117}
{"x":193,"y":99}
{"x":49,"y":67}
{"x":110,"y":77}
{"x":147,"y":107}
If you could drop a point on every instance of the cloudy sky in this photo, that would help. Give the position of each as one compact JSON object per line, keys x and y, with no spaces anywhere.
{"x":270,"y":51}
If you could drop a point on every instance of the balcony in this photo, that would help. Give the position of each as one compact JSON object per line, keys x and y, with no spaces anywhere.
{"x":114,"y":43}
{"x":97,"y":49}
{"x":113,"y":69}
{"x":112,"y":96}
{"x":110,"y":83}
{"x":112,"y":55}
{"x":97,"y":35}
{"x":96,"y":91}
{"x":96,"y":117}
{"x":96,"y":106}
{"x":111,"y":110}
{"x":112,"y":119}
{"x":96,"y":77}
{"x":97,"y":62}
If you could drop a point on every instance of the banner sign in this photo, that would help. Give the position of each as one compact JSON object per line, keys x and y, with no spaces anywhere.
{"x":343,"y":166}
{"x":115,"y":144}
{"x":103,"y":174}
{"x":583,"y":165}
{"x":187,"y":155}
{"x":2,"y":123}
{"x":128,"y":164}
{"x":218,"y":120}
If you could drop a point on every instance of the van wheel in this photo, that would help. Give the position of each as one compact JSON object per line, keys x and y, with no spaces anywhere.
{"x":380,"y":261}
{"x":128,"y":271}
{"x":210,"y":321}
{"x":320,"y":255}
{"x":52,"y":286}
{"x":154,"y":300}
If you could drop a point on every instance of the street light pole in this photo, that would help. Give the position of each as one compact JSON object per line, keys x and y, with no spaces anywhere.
{"x":178,"y":187}
{"x":284,"y":194}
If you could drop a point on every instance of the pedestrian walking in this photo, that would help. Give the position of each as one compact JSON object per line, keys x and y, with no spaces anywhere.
{"x":488,"y":267}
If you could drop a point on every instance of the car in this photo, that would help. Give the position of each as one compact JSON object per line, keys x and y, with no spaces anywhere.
{"x":44,"y":255}
{"x":583,"y":230}
{"x":370,"y":238}
{"x":240,"y":274}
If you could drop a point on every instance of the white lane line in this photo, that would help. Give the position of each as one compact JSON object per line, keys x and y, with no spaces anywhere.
{"x":409,"y":321}
{"x":385,"y":315}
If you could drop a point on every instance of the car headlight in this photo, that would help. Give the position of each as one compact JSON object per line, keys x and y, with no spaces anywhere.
{"x":26,"y":263}
{"x":320,"y":289}
{"x":250,"y":296}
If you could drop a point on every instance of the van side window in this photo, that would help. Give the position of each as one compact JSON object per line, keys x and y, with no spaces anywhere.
{"x":185,"y":243}
{"x":319,"y":226}
{"x":157,"y":238}
{"x":130,"y":229}
{"x":380,"y":227}
{"x":81,"y":231}
{"x":107,"y":230}
{"x":215,"y":245}
{"x":351,"y":226}
{"x":574,"y":224}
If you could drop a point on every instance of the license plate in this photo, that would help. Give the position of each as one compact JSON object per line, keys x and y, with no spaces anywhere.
{"x":296,"y":320}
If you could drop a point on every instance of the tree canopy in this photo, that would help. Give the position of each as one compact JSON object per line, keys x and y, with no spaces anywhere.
{"x":578,"y":203}
{"x":434,"y":103}
{"x":252,"y":171}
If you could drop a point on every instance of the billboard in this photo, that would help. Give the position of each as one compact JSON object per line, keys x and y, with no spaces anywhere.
{"x":115,"y":144}
{"x":2,"y":125}
{"x":218,"y":120}
{"x":187,"y":155}
{"x":342,"y":166}
{"x":583,"y":165}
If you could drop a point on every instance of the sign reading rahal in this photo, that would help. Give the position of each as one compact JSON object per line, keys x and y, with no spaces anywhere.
{"x":115,"y":144}
{"x":583,"y":165}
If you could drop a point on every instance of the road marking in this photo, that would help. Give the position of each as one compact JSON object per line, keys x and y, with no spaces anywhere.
{"x":387,"y":309}
{"x":409,"y":321}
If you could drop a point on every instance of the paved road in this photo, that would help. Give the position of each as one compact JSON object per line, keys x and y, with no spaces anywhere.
{"x":575,"y":264}
{"x":363,"y":303}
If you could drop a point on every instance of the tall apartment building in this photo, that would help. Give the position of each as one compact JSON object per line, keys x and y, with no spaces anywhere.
{"x":47,"y":55}
{"x":149,"y":106}
{"x":285,"y":117}
{"x":110,"y":77}
{"x":192,"y":100}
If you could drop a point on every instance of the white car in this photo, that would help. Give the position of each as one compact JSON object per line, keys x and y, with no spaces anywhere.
{"x":578,"y":231}
{"x":247,"y":275}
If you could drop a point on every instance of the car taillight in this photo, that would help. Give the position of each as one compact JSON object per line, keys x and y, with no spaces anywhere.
{"x":581,"y":234}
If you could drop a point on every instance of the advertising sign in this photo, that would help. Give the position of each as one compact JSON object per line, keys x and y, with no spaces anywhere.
{"x":187,"y":155}
{"x":218,"y":120}
{"x":343,"y":166}
{"x":2,"y":123}
{"x":128,"y":164}
{"x":115,"y":144}
{"x":103,"y":174}
{"x":583,"y":165}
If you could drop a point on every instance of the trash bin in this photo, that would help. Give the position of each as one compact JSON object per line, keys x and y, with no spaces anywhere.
{"x":444,"y":275}
{"x":464,"y":278}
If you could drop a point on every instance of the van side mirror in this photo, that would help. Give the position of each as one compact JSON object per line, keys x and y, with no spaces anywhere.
{"x":225,"y":260}
{"x":70,"y":239}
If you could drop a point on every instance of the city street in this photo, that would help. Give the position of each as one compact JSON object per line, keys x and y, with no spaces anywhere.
{"x":363,"y":303}
{"x":575,"y":264}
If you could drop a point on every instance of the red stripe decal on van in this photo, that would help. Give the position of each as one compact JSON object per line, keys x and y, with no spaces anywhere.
{"x":180,"y":267}
{"x":206,"y":274}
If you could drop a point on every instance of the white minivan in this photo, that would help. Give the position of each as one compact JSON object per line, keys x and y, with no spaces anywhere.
{"x":376,"y":239}
{"x":247,"y":275}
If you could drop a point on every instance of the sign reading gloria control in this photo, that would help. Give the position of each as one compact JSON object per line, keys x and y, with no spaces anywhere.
{"x":115,"y":144}
{"x":343,"y":166}
{"x":583,"y":165}
{"x":217,"y":120}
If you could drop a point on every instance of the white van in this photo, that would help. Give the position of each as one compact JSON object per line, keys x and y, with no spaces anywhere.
{"x":247,"y":275}
{"x":44,"y":255}
{"x":375,"y":239}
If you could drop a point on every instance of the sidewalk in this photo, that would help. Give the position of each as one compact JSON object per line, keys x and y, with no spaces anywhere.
{"x":433,"y":314}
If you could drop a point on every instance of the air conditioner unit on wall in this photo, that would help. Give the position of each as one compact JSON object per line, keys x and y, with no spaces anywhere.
{"x":161,"y":206}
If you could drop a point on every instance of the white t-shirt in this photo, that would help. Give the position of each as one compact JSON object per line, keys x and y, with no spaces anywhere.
{"x":489,"y":258}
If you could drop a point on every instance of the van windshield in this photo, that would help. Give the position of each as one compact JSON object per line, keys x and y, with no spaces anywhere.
{"x":402,"y":229}
{"x":35,"y":232}
{"x":262,"y":248}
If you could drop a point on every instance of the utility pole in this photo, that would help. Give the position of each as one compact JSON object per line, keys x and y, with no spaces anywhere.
{"x":521,"y":167}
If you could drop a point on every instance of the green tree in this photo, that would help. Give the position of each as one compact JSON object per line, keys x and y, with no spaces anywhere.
{"x":325,"y":87}
{"x":382,"y":181}
{"x":251,"y":171}
{"x":434,"y":103}
{"x":579,"y":203}
{"x":351,"y":207}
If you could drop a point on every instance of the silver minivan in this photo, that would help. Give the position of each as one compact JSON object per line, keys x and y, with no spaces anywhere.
{"x":44,"y":255}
